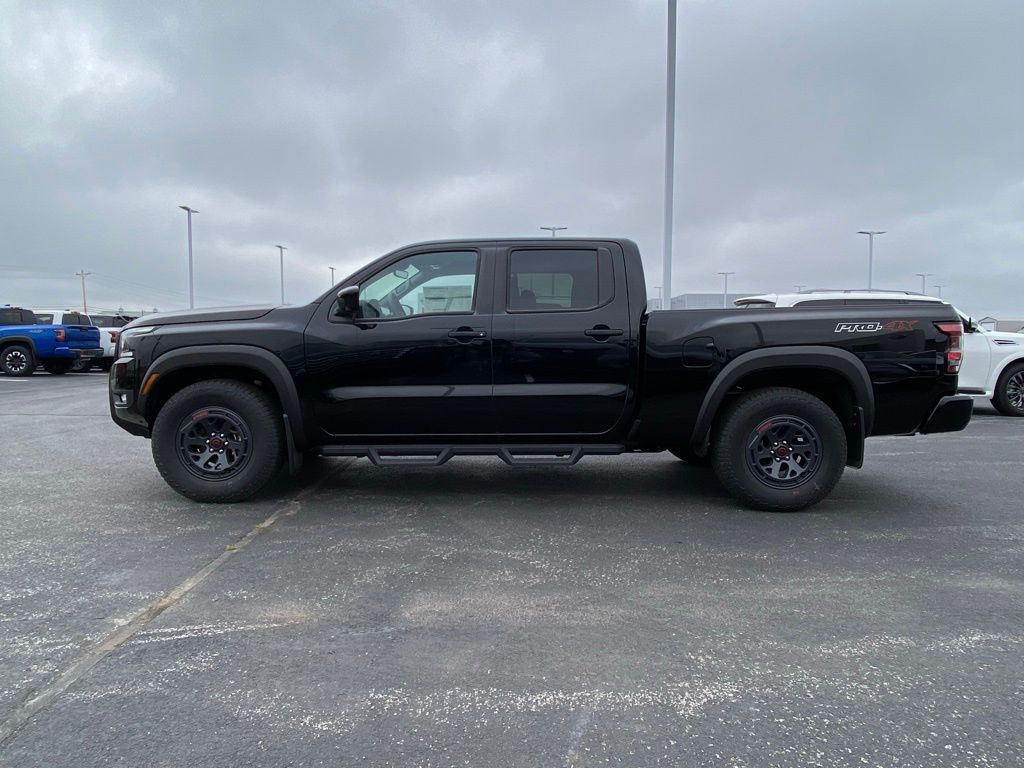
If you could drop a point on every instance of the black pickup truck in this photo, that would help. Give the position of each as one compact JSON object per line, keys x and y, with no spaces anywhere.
{"x":535,"y":351}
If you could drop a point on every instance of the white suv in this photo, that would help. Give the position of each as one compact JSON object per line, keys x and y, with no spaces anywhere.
{"x":108,"y":336}
{"x":993,"y":362}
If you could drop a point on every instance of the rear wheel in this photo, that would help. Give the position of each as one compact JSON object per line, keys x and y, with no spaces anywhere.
{"x":219,"y":440}
{"x":82,"y":365}
{"x":1009,"y":398}
{"x":779,"y":450}
{"x":17,"y":360}
{"x":58,"y":367}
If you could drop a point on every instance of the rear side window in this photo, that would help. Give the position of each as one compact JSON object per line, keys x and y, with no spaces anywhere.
{"x":557,"y":280}
{"x":45,"y":318}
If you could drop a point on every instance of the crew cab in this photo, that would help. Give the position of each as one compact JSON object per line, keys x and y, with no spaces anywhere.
{"x":531,"y":351}
{"x":27,"y":340}
{"x":993,"y":361}
{"x":108,"y":336}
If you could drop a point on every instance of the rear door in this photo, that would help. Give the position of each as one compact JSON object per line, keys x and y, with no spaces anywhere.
{"x":561,"y":339}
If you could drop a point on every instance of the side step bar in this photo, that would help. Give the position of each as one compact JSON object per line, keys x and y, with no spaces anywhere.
{"x":436,"y":455}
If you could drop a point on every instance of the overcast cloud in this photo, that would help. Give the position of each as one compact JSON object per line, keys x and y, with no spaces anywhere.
{"x":343,"y":130}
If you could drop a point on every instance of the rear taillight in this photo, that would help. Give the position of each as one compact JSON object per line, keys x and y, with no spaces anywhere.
{"x":955,"y":352}
{"x":113,"y":336}
{"x":60,"y":334}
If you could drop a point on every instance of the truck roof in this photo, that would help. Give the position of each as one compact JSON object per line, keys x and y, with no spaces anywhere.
{"x":858,"y":296}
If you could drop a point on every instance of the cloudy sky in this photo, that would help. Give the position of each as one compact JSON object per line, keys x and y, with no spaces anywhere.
{"x":345,"y":129}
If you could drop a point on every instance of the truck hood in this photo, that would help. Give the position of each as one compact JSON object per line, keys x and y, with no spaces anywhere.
{"x":205,"y":315}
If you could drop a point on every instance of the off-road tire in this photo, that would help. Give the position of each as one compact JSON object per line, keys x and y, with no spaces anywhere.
{"x":1003,"y":400}
{"x":58,"y":367}
{"x":737,"y":434}
{"x":17,"y":360}
{"x":82,"y":365}
{"x":265,"y":434}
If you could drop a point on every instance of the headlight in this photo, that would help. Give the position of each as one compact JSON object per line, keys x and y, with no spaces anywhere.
{"x":129,"y":338}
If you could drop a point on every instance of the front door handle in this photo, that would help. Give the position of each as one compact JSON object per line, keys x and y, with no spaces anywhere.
{"x":464,"y":334}
{"x":602,"y":332}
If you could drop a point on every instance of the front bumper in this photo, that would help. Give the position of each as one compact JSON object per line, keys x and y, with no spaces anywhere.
{"x":952,"y":414}
{"x":122,"y":393}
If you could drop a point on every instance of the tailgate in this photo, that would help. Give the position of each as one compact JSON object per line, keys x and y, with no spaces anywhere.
{"x":82,"y":336}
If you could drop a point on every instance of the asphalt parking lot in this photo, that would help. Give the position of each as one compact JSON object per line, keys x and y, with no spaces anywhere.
{"x":621,"y":612}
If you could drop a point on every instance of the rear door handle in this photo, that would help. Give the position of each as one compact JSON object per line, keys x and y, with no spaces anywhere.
{"x":603,"y":332}
{"x":466,"y":334}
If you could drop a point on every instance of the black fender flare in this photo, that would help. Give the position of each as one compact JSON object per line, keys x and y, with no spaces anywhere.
{"x":839,"y":361}
{"x":266,"y":363}
{"x":27,"y":340}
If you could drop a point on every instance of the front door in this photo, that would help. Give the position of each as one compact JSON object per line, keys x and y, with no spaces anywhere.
{"x":416,"y":361}
{"x":562,"y":340}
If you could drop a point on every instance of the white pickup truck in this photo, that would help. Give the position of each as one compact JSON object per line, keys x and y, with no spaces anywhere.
{"x":108,"y":335}
{"x":993,"y":361}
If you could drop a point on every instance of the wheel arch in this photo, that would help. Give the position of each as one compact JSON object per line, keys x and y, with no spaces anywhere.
{"x":254,"y":365}
{"x":997,"y":373}
{"x":8,"y":341}
{"x":833,"y":375}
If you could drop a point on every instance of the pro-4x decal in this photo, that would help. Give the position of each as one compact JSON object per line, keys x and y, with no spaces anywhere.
{"x":875,"y":326}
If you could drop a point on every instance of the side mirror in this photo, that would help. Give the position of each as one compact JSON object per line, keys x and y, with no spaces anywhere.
{"x":348,"y":301}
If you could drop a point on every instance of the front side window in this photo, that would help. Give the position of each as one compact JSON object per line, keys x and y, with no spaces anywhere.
{"x":553,"y":280}
{"x":427,"y":283}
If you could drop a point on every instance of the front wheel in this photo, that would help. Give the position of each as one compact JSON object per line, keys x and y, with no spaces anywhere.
{"x":1009,"y":398}
{"x":218,"y":440}
{"x":779,"y":450}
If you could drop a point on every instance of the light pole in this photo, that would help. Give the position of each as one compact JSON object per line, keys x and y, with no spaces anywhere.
{"x":798,"y":288}
{"x":871,"y":250}
{"x":332,"y":276}
{"x":923,"y":276}
{"x":281,"y":249}
{"x":725,"y":288}
{"x":552,"y":230}
{"x":940,"y":287}
{"x":85,"y":305}
{"x":670,"y":145}
{"x":191,"y":283}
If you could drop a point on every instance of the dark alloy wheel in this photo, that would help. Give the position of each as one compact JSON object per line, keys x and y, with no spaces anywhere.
{"x":779,"y":449}
{"x":218,"y":440}
{"x":1009,"y":396}
{"x":784,"y":451}
{"x":214,"y":444}
{"x":17,"y":360}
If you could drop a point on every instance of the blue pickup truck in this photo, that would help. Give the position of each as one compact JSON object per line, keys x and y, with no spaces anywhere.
{"x":24,"y":343}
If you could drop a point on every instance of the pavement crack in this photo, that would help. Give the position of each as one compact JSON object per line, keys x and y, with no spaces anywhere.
{"x":39,"y":700}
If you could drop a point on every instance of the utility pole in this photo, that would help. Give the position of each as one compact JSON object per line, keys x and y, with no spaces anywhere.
{"x":281,"y":249}
{"x":923,"y":276}
{"x":940,"y":287}
{"x":552,"y":230}
{"x":670,"y":149}
{"x":332,"y":276}
{"x":85,"y":305}
{"x":871,"y":250}
{"x":725,"y":288}
{"x":191,"y":281}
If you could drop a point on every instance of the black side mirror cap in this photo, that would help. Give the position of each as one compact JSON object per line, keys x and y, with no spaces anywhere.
{"x":348,"y":301}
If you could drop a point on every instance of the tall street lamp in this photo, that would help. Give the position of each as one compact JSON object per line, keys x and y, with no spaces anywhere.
{"x":281,"y":249}
{"x":332,"y":276}
{"x":191,"y":280}
{"x":924,"y":276}
{"x":871,"y":249}
{"x":798,"y":287}
{"x":940,"y":287}
{"x":670,"y":146}
{"x":725,"y":288}
{"x":552,"y":230}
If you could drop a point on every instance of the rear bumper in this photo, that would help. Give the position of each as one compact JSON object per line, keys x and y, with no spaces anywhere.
{"x":73,"y":353}
{"x":952,"y":414}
